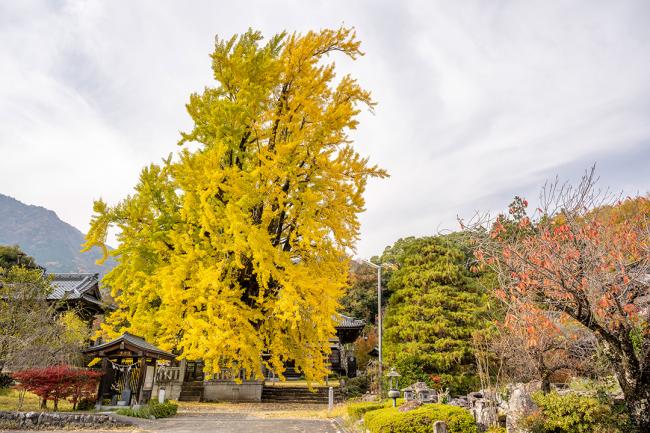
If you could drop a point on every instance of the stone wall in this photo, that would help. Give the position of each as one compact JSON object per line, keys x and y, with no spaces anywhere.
{"x":232,"y":391}
{"x":57,"y":419}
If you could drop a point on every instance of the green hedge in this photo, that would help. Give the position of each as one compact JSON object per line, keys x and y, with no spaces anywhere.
{"x":390,"y":420}
{"x":357,"y":410}
{"x":151,"y":410}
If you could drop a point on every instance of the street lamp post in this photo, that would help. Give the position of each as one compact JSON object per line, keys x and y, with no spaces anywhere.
{"x":378,"y":267}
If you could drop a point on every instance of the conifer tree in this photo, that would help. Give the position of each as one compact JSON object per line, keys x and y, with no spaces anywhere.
{"x":238,"y":248}
{"x":435,"y":306}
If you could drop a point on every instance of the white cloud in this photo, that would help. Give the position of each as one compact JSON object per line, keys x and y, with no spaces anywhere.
{"x":478,"y":101}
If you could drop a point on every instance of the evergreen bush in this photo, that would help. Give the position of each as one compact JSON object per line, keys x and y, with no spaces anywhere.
{"x":153,"y":409}
{"x":390,"y":420}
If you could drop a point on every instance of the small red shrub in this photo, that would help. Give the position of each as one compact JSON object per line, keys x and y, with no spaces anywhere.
{"x":59,"y":382}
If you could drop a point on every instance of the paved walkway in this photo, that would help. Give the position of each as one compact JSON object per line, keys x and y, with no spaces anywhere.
{"x":238,"y":423}
{"x":245,"y":420}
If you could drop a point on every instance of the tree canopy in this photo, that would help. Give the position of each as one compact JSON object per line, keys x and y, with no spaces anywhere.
{"x":13,"y":255}
{"x":583,"y":257}
{"x":436,"y":305}
{"x":238,"y":248}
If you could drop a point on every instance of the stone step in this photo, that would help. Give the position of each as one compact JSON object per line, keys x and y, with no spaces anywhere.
{"x":298,"y":395}
{"x":189,"y":398}
{"x":191,"y":391}
{"x":297,"y":392}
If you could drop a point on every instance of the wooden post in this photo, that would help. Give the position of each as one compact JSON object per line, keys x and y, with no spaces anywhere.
{"x":439,"y":427}
{"x":102,"y":382}
{"x":143,"y":372}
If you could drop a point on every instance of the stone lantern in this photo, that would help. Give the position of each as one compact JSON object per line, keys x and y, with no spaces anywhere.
{"x":393,"y":377}
{"x":409,"y":393}
{"x":424,"y":393}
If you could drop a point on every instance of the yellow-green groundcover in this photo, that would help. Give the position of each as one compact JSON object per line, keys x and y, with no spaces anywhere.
{"x":390,"y":420}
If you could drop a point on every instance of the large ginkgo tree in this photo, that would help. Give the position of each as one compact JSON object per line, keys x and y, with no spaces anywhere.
{"x":238,"y":248}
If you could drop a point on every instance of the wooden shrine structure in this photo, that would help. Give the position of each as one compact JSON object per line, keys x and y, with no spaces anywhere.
{"x":129,"y":367}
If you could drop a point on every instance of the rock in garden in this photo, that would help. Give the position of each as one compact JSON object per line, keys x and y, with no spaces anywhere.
{"x":410,"y":405}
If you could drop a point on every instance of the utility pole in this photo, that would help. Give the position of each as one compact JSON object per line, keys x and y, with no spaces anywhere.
{"x":379,"y":324}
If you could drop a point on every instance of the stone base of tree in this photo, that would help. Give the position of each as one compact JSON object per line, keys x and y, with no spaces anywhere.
{"x":56,"y":419}
{"x":232,"y":391}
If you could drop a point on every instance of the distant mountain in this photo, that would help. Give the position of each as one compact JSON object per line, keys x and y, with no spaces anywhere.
{"x":40,"y":233}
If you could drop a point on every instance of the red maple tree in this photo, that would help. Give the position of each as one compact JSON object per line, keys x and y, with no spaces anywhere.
{"x":59,"y":382}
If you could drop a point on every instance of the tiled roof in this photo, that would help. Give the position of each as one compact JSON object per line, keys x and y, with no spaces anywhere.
{"x":136,"y":341}
{"x":72,"y":286}
{"x":343,"y":321}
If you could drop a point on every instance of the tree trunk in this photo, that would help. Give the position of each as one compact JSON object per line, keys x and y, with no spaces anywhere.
{"x":546,"y":383}
{"x":638,"y":406}
{"x":633,"y":379}
{"x":544,"y":374}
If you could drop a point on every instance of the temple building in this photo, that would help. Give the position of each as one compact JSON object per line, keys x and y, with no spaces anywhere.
{"x":182,"y":380}
{"x":78,"y":292}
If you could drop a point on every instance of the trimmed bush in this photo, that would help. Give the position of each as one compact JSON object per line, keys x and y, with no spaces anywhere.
{"x":357,"y":410}
{"x":420,"y":420}
{"x":573,"y":413}
{"x":152,"y":410}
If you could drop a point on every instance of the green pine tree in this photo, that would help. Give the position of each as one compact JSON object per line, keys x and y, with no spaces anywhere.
{"x":436,"y":305}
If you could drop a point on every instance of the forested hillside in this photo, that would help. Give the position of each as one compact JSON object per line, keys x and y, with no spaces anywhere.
{"x":39,"y":232}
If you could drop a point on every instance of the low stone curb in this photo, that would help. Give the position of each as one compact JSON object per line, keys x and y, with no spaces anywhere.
{"x":36,"y":420}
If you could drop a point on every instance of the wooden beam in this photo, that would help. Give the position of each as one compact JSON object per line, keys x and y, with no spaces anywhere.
{"x":143,"y":372}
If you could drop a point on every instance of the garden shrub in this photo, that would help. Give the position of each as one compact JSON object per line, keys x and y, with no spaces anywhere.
{"x":86,"y":404}
{"x":420,"y":420}
{"x":356,"y":386}
{"x":574,"y":413}
{"x":357,"y":410}
{"x":5,"y":380}
{"x":153,"y":409}
{"x":412,"y":369}
{"x":59,"y":382}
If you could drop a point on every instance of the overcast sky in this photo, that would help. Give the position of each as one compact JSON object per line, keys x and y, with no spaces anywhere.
{"x":478,"y":100}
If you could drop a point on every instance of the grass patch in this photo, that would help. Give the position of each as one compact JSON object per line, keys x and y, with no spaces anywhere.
{"x":31,"y":403}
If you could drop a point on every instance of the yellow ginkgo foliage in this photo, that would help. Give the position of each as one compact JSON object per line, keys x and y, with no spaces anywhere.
{"x":238,"y":248}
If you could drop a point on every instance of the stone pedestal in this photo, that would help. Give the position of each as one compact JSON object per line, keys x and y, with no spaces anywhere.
{"x":439,"y":427}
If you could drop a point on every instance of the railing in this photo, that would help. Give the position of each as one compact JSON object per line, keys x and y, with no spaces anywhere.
{"x":227,"y":374}
{"x":168,"y":374}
